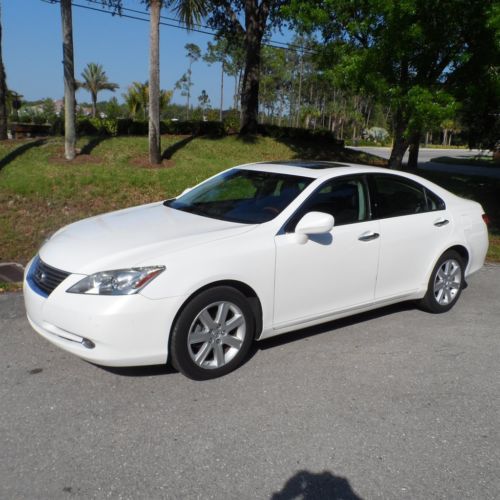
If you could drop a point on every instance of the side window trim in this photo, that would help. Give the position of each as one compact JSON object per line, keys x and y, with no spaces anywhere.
{"x":427,"y":191}
{"x":361,"y":177}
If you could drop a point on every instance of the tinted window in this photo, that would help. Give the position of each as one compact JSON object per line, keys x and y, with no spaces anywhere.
{"x":434,"y":202}
{"x":345,"y":199}
{"x":395,"y":196}
{"x":242,"y":196}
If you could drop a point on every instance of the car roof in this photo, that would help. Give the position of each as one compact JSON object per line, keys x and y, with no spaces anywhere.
{"x":312,"y":168}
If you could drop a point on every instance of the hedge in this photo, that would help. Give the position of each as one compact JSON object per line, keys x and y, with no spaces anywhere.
{"x":127,"y":126}
{"x":299,"y":134}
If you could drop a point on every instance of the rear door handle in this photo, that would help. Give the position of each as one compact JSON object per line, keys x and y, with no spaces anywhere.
{"x":368,"y":236}
{"x":441,"y":222}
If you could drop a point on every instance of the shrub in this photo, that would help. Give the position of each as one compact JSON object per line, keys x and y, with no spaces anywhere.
{"x":300,"y":134}
{"x":232,"y":121}
{"x":84,"y":126}
{"x":193,"y":127}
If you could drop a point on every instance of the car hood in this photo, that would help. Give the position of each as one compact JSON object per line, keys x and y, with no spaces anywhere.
{"x":132,"y":237}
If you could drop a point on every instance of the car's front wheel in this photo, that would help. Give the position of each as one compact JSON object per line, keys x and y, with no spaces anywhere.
{"x":445,"y":284}
{"x":212,"y":334}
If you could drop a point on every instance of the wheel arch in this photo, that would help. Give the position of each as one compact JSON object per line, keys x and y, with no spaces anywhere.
{"x":243,"y":288}
{"x":462,"y":251}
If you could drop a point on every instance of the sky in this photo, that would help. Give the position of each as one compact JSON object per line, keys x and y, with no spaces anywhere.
{"x":32,"y":52}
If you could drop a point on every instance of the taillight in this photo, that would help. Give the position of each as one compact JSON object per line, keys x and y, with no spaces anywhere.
{"x":486,"y":219}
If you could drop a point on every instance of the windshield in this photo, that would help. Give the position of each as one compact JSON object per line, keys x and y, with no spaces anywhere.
{"x":246,"y":196}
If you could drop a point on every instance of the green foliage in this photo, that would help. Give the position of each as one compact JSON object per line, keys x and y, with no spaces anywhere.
{"x":407,"y":54}
{"x":300,"y":134}
{"x":428,"y":108}
{"x":95,"y":80}
{"x":137,"y":99}
{"x":112,"y":109}
{"x":231,"y":121}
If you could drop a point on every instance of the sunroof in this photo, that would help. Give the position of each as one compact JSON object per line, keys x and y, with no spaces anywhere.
{"x":308,"y":164}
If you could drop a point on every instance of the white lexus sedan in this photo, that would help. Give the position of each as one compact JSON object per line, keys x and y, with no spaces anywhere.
{"x":255,"y":251}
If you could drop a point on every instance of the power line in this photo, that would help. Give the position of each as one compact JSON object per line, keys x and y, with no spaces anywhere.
{"x":272,"y":43}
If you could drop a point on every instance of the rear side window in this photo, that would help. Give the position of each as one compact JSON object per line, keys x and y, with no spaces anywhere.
{"x":395,"y":196}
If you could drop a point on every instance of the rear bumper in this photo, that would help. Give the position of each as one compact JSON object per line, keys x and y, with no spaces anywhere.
{"x":127,"y":330}
{"x":477,"y":241}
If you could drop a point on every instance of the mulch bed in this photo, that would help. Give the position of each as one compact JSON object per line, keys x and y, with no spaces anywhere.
{"x":80,"y":159}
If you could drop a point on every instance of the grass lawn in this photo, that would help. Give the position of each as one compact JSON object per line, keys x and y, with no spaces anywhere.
{"x":40,"y":192}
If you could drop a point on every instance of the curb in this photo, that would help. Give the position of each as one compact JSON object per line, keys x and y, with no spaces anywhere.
{"x":11,"y":272}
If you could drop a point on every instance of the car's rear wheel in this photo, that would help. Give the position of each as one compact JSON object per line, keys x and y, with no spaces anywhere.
{"x":212,"y":334}
{"x":445,"y":284}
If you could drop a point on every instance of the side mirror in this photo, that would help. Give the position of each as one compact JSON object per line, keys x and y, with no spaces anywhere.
{"x":315,"y":223}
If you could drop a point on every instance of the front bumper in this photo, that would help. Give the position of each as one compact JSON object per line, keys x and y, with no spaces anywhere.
{"x":128,"y":330}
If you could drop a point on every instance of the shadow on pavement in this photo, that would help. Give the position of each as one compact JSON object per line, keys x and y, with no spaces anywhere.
{"x":332,"y":325}
{"x":305,"y":485}
{"x":159,"y":370}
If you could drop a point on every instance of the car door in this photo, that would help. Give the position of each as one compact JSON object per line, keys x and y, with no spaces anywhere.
{"x":414,"y":227}
{"x":332,"y":271}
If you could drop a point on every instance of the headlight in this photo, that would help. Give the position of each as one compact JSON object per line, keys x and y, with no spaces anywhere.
{"x":118,"y":282}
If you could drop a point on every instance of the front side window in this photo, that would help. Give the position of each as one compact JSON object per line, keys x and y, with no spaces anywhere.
{"x":344,"y":198}
{"x":246,"y":196}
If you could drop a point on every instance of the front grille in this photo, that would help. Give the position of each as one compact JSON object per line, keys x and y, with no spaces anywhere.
{"x":45,"y":277}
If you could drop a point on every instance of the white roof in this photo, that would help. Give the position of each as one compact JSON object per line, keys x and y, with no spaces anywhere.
{"x":312,"y":168}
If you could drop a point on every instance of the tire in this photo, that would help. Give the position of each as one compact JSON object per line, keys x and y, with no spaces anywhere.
{"x":445,"y":284}
{"x":212,"y":334}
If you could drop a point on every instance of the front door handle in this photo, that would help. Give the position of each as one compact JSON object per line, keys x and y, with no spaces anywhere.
{"x":441,"y":222}
{"x":368,"y":236}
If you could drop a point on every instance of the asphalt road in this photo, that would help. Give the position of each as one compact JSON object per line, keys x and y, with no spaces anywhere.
{"x":395,"y":404}
{"x":427,"y":154}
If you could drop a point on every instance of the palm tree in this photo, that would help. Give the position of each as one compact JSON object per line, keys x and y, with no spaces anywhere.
{"x":95,"y":80}
{"x":69,"y":81}
{"x":137,"y":99}
{"x":188,"y":12}
{"x":69,"y":73}
{"x":3,"y":93}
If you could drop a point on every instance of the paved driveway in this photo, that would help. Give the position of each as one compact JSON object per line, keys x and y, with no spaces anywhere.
{"x":396,"y":404}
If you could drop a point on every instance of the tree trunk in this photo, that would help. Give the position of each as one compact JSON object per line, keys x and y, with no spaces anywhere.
{"x":235,"y":94}
{"x":400,"y":144}
{"x":399,"y":148}
{"x":69,"y":81}
{"x":154,"y":84}
{"x":221,"y":90}
{"x":188,"y":92}
{"x":94,"y":104}
{"x":3,"y":92}
{"x":414,"y":149}
{"x":250,"y":91}
{"x":445,"y":137}
{"x":299,"y":99}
